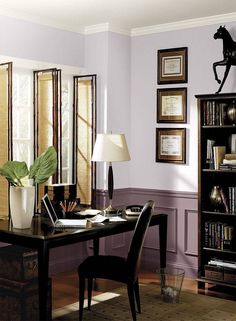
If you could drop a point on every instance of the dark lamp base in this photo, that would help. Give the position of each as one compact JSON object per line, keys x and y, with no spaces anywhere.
{"x":110,"y":211}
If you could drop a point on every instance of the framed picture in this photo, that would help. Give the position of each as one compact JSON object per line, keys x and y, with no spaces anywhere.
{"x":171,"y":145}
{"x":172,"y":105}
{"x":172,"y":65}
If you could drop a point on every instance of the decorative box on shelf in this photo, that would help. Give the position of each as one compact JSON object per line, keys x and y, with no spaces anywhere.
{"x":230,"y":275}
{"x":214,"y":272}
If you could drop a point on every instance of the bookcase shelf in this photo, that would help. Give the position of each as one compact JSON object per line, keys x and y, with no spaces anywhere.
{"x":217,"y":214}
{"x":218,"y":250}
{"x":218,"y":126}
{"x":221,"y":283}
{"x":207,"y":170}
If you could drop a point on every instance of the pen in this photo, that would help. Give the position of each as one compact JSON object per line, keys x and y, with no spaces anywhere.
{"x":63,"y":207}
{"x":73,"y":206}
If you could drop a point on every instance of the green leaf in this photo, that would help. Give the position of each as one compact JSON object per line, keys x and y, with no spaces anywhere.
{"x":13,"y":171}
{"x":44,"y":166}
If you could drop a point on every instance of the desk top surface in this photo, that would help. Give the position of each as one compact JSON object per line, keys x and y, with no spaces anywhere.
{"x":42,"y":231}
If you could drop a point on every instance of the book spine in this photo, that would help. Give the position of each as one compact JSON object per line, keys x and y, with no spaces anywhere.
{"x":224,"y":200}
{"x":206,"y":234}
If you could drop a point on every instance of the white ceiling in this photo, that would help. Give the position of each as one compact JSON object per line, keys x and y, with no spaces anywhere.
{"x":126,"y":15}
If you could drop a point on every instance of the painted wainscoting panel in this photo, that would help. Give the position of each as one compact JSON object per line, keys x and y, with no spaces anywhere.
{"x":191,"y":234}
{"x":181,"y":207}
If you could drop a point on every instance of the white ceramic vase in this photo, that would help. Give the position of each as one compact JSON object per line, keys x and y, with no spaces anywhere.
{"x":22,"y":201}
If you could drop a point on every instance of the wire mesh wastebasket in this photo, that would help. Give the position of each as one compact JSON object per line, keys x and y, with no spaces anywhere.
{"x":171,"y":280}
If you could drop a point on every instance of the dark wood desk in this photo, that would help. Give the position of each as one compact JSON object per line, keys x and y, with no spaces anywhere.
{"x":42,"y":238}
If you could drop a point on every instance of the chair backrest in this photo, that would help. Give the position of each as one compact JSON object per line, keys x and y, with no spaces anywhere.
{"x":136,"y":245}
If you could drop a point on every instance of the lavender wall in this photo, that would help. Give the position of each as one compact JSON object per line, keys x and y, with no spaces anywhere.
{"x":27,"y":40}
{"x":203,"y":50}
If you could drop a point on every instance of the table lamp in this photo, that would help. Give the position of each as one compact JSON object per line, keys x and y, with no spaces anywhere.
{"x":110,"y":148}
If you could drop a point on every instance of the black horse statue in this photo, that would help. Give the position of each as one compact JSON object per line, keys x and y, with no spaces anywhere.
{"x":229,"y":53}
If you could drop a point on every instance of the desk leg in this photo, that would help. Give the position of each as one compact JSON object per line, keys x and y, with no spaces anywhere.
{"x":95,"y":246}
{"x":95,"y":252}
{"x":43,"y":259}
{"x":163,"y":241}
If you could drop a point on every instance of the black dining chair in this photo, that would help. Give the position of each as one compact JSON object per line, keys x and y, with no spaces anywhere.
{"x":124,"y":270}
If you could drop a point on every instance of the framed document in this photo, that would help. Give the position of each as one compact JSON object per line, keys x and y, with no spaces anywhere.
{"x":171,"y":145}
{"x":172,"y":66}
{"x":172,"y":105}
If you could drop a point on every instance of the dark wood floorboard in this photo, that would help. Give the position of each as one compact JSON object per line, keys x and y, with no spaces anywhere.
{"x":65,"y":287}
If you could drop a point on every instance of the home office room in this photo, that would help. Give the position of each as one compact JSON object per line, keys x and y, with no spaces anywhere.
{"x":117,"y":160}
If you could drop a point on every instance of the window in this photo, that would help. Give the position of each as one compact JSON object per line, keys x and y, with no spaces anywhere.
{"x":5,"y":129}
{"x":22,"y":116}
{"x":84,"y":130}
{"x":66,"y":133}
{"x":47,"y":120}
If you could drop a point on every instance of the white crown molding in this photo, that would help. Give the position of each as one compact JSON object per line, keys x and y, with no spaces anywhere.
{"x":102,"y":27}
{"x":184,"y":24}
{"x":105,"y":27}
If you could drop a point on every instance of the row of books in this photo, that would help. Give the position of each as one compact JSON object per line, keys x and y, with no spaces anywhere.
{"x":232,"y":199}
{"x":218,"y":235}
{"x":216,"y":156}
{"x":226,"y":200}
{"x":214,"y":113}
{"x":228,"y":197}
{"x":228,"y":167}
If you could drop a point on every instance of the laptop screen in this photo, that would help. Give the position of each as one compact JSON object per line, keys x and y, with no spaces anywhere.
{"x":49,"y":207}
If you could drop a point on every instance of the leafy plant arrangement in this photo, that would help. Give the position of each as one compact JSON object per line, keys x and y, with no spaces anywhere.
{"x":18,"y":174}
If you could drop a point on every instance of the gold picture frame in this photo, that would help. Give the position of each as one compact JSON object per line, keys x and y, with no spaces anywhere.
{"x":172,"y":105}
{"x":171,"y":145}
{"x":172,"y":65}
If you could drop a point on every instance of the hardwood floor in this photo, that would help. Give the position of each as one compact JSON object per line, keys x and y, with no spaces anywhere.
{"x":65,"y":287}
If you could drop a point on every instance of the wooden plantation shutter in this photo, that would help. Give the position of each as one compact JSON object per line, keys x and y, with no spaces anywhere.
{"x":5,"y":131}
{"x":47,"y":121}
{"x":84,"y":131}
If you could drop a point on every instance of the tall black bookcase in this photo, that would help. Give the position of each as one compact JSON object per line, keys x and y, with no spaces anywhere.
{"x":216,"y":190}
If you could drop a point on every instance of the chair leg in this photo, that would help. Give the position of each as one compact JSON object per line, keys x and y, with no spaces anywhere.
{"x":90,"y":287}
{"x":136,"y":291}
{"x":81,"y":297}
{"x":130,"y":289}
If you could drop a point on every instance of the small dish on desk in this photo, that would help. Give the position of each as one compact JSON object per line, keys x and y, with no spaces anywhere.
{"x":89,"y":212}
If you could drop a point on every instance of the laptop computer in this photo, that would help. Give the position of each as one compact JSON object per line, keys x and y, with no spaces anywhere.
{"x":61,"y":223}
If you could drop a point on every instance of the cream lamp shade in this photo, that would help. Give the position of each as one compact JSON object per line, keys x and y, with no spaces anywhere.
{"x":110,"y":148}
